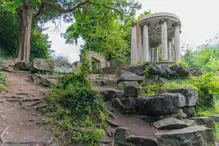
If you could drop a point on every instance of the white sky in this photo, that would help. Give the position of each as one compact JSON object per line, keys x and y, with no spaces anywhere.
{"x":199,"y":19}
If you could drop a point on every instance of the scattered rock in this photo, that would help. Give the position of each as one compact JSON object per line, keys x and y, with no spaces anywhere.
{"x":110,"y":94}
{"x":141,"y":141}
{"x":169,"y":124}
{"x":129,"y":76}
{"x":122,"y":85}
{"x":189,"y":111}
{"x":42,"y":65}
{"x":45,"y":80}
{"x":190,"y":136}
{"x":131,"y":91}
{"x":124,"y":105}
{"x":205,"y":121}
{"x":22,"y":65}
{"x":191,"y":95}
{"x":163,"y":104}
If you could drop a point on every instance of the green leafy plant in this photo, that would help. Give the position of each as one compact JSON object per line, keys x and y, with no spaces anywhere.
{"x":2,"y":81}
{"x":77,"y":110}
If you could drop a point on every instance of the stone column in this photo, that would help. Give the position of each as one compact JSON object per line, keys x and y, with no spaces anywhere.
{"x":152,"y":55}
{"x":139,"y":44}
{"x":134,"y":46}
{"x":177,"y":42}
{"x":170,"y":51}
{"x":156,"y":55}
{"x":146,"y":54}
{"x":164,"y":40}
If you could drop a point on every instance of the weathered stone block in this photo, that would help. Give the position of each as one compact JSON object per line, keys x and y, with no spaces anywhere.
{"x":205,"y":121}
{"x":190,"y":136}
{"x":163,"y":104}
{"x":169,"y":124}
{"x":141,"y":141}
{"x":42,"y":65}
{"x":131,"y":91}
{"x":129,"y":76}
{"x":191,"y":95}
{"x":123,"y":85}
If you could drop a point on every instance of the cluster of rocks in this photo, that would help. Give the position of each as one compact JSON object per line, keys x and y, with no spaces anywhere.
{"x":44,"y":72}
{"x":171,"y":113}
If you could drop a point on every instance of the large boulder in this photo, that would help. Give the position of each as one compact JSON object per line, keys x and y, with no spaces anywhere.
{"x":191,"y":95}
{"x":141,"y":141}
{"x":169,"y":124}
{"x":163,"y":104}
{"x":129,"y":76}
{"x":205,"y":121}
{"x":42,"y":65}
{"x":124,"y":105}
{"x":122,"y":85}
{"x":190,"y":136}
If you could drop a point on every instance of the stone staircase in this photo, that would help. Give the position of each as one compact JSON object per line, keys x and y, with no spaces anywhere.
{"x":151,"y":121}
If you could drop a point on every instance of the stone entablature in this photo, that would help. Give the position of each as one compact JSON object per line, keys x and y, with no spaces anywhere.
{"x":150,"y":32}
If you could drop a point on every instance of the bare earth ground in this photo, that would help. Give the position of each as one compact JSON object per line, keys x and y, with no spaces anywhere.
{"x":19,"y":118}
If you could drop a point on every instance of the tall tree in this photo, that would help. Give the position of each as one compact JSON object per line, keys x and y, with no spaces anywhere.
{"x":103,"y":31}
{"x":46,"y":10}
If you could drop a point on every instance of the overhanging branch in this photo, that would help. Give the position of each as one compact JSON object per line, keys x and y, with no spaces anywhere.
{"x":67,"y":10}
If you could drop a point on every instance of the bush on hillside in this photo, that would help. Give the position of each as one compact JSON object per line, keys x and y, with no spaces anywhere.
{"x":78,"y":111}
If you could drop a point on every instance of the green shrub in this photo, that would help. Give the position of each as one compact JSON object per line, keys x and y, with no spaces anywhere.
{"x":78,"y":110}
{"x":2,"y":81}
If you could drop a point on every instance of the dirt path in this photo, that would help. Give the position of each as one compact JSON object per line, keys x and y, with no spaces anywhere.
{"x":19,"y":117}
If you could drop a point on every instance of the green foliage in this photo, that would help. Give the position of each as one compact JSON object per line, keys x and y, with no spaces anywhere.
{"x":184,"y":64}
{"x":205,"y":57}
{"x":2,"y":81}
{"x":86,"y":67}
{"x":105,"y":30}
{"x":208,"y":88}
{"x":78,"y":111}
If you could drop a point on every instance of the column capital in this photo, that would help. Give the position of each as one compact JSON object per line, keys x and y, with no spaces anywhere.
{"x":163,"y":20}
{"x":176,"y":24}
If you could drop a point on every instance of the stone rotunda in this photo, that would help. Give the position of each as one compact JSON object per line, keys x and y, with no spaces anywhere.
{"x":151,"y":32}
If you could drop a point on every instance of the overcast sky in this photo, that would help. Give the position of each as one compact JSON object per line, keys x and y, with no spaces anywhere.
{"x":200,"y":22}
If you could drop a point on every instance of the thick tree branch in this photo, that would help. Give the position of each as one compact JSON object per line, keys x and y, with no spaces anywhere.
{"x":41,"y":9}
{"x":67,"y":10}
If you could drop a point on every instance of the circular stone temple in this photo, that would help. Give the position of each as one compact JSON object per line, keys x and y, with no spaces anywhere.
{"x":153,"y":31}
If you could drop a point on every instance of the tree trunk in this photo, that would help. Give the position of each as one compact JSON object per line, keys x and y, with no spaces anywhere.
{"x":26,"y":18}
